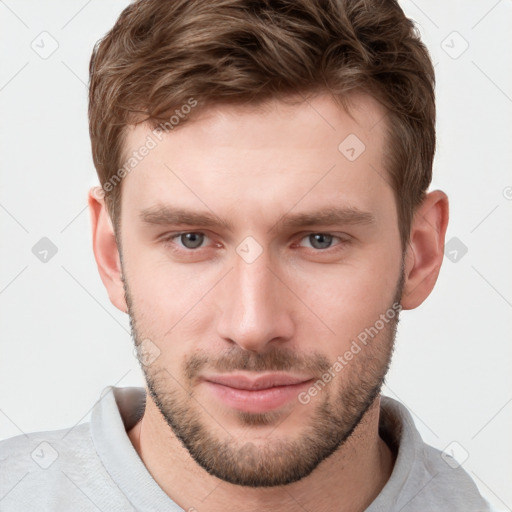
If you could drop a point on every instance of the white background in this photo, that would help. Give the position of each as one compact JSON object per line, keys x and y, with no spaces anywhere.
{"x":62,"y":341}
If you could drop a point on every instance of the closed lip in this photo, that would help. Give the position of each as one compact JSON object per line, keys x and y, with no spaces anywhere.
{"x":266,"y":381}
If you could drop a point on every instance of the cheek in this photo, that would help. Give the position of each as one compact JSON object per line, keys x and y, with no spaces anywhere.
{"x":349,"y":299}
{"x":170,"y":303}
{"x":161,"y":289}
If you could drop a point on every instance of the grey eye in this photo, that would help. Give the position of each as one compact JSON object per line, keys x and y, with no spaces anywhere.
{"x":191,"y":240}
{"x":320,"y":240}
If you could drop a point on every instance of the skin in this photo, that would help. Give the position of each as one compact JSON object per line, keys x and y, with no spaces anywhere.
{"x":296,"y":307}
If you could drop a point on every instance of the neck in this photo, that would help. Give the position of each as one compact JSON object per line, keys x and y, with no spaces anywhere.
{"x":348,"y":480}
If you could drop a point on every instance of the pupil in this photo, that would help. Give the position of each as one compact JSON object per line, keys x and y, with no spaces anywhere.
{"x":191,"y":240}
{"x":323,"y":240}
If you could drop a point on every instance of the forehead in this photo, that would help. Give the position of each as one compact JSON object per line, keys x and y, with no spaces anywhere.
{"x":262,"y":159}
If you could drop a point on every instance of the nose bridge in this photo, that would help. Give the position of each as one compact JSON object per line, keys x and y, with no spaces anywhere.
{"x":255,"y":288}
{"x":254,"y":311}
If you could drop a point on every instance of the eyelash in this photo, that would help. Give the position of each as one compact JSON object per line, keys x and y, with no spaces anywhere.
{"x":168,"y":241}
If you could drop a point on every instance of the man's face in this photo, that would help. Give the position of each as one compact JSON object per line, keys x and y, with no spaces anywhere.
{"x":253,"y":293}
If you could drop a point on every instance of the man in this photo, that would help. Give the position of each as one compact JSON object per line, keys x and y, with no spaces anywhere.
{"x":263,"y":218}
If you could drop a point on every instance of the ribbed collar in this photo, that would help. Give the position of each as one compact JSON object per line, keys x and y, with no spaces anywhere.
{"x":117,"y":411}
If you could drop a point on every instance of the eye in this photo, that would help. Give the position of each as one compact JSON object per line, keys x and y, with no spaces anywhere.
{"x":322,"y":241}
{"x":188,"y":240}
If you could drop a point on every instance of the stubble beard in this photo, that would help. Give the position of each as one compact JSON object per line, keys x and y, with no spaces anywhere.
{"x":338,"y":409}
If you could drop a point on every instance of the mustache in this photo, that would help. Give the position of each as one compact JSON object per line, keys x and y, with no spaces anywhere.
{"x":275,"y":359}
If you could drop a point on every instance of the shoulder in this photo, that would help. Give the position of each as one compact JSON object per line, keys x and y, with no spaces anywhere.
{"x":45,"y":449}
{"x":449,"y":481}
{"x":51,"y":470}
{"x":424,"y":477}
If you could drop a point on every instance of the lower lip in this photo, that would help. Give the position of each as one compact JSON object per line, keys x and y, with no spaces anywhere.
{"x":256,"y":401}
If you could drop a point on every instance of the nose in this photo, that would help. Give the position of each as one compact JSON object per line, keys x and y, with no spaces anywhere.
{"x":256,"y":305}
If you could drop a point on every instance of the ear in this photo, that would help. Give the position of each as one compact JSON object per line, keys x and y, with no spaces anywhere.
{"x":105,"y":248}
{"x":425,"y":251}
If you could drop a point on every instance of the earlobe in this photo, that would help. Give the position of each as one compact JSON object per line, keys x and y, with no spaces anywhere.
{"x":105,"y":249}
{"x":425,"y":251}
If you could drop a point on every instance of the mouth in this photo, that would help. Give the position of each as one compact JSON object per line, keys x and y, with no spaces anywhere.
{"x":257,"y":394}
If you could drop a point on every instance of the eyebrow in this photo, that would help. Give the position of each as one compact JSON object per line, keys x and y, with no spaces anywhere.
{"x":166,"y":215}
{"x":327,"y":216}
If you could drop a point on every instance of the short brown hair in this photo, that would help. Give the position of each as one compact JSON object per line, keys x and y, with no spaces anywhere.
{"x":162,"y":53}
